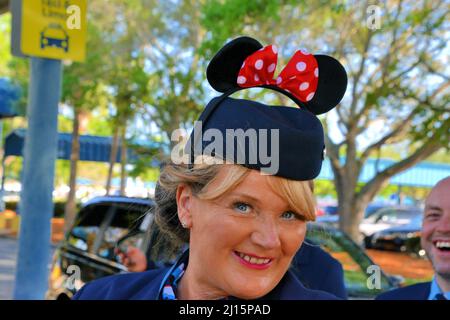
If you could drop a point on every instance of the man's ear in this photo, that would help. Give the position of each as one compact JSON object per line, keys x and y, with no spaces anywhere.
{"x":184,"y":204}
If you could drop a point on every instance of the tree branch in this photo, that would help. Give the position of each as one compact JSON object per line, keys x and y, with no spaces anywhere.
{"x":372,"y":187}
{"x":399,"y":129}
{"x":358,"y":75}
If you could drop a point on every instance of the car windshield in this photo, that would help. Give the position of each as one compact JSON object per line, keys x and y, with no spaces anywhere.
{"x":100,"y":226}
{"x":417,"y":221}
{"x":353,"y":259}
{"x":393,"y":215}
{"x":372,"y":209}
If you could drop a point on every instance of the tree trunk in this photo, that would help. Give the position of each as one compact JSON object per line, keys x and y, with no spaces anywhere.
{"x":352,"y":204}
{"x":351,"y":214}
{"x":123,"y":163}
{"x":112,"y":158}
{"x":348,"y":221}
{"x":70,"y":208}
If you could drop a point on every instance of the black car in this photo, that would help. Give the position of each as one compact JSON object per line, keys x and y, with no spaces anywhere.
{"x":403,"y":238}
{"x":105,"y":223}
{"x":88,"y":250}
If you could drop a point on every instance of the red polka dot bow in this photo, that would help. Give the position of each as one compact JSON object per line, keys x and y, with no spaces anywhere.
{"x":299,"y":77}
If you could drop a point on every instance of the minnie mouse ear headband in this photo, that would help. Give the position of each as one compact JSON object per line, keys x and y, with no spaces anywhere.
{"x":293,"y":137}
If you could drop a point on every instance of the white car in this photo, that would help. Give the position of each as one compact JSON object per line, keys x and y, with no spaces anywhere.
{"x":387,"y":218}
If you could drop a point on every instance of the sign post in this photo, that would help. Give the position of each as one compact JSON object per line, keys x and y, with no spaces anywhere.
{"x":36,"y":203}
{"x":48,"y":31}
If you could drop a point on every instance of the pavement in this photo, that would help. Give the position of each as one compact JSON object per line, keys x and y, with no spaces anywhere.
{"x":403,"y":264}
{"x":8,"y":253}
{"x":8,"y":257}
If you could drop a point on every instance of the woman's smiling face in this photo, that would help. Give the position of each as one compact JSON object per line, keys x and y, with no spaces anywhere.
{"x":241,"y":243}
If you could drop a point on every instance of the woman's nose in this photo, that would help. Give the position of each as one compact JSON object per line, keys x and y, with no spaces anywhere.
{"x":266,"y":234}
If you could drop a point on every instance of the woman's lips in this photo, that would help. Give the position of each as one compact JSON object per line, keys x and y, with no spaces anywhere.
{"x":253,"y":261}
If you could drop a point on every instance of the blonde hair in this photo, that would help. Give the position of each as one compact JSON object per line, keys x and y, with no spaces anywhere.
{"x":298,"y":194}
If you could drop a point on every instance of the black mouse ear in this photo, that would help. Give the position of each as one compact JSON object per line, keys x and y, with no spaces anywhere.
{"x":223,"y":70}
{"x":330,"y":87}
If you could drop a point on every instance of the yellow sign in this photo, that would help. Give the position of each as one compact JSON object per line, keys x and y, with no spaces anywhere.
{"x":54,"y":29}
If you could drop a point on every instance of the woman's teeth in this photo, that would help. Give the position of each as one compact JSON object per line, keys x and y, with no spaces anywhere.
{"x":253,"y":260}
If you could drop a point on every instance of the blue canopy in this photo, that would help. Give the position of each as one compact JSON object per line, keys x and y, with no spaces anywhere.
{"x":423,"y":174}
{"x":92,"y":148}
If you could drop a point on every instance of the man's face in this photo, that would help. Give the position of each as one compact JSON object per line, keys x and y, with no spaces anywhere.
{"x":436,"y":228}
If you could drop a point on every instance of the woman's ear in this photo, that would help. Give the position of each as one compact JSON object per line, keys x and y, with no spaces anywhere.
{"x":184,"y":204}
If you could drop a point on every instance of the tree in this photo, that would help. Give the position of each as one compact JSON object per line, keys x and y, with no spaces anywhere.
{"x":4,"y":6}
{"x":128,"y":77}
{"x":82,"y":89}
{"x":177,"y":67}
{"x":398,"y":81}
{"x":157,"y":53}
{"x":386,"y":70}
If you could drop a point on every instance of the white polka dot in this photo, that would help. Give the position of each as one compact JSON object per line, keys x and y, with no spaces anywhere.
{"x":304,"y":86}
{"x":241,"y":80}
{"x":259,"y":64}
{"x":301,"y":66}
{"x":271,"y":68}
{"x":279,"y":80}
{"x":316,"y":72}
{"x":243,"y":65}
{"x":304,"y":51}
{"x":310,"y":96}
{"x":274,"y":49}
{"x":256,"y":78}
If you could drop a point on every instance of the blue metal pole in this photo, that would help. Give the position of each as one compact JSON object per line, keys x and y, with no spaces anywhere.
{"x":36,"y":204}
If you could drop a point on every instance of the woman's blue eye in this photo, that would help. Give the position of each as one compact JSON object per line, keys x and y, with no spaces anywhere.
{"x":242,"y":207}
{"x":289,"y":215}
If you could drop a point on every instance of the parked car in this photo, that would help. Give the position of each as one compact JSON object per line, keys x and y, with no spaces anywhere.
{"x":405,"y":238}
{"x":330,"y":210}
{"x":106,"y":223}
{"x":386,"y":218}
{"x":373,"y":208}
{"x":354,"y":260}
{"x":101,"y":223}
{"x":331,"y":213}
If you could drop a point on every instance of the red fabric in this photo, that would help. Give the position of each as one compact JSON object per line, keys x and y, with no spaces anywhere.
{"x":299,"y":77}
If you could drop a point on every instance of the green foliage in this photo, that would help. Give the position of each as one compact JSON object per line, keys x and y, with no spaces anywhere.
{"x":324,"y":188}
{"x":58,"y":209}
{"x":82,"y":80}
{"x":16,"y":69}
{"x":225,"y":18}
{"x":5,"y":55}
{"x":64,"y":124}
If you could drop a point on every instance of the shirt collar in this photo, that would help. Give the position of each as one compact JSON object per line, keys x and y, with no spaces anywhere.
{"x":168,"y":288}
{"x":435,"y":289}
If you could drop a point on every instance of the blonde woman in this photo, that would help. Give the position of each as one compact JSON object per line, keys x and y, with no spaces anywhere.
{"x":243,"y":209}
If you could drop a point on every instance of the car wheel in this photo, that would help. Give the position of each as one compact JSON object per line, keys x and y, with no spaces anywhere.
{"x":367,"y":242}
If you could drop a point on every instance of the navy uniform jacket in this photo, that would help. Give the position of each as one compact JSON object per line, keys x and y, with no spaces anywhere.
{"x":318,"y":270}
{"x":147,"y":285}
{"x":418,"y":291}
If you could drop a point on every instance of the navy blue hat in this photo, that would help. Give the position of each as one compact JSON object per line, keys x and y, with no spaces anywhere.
{"x":285,"y":141}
